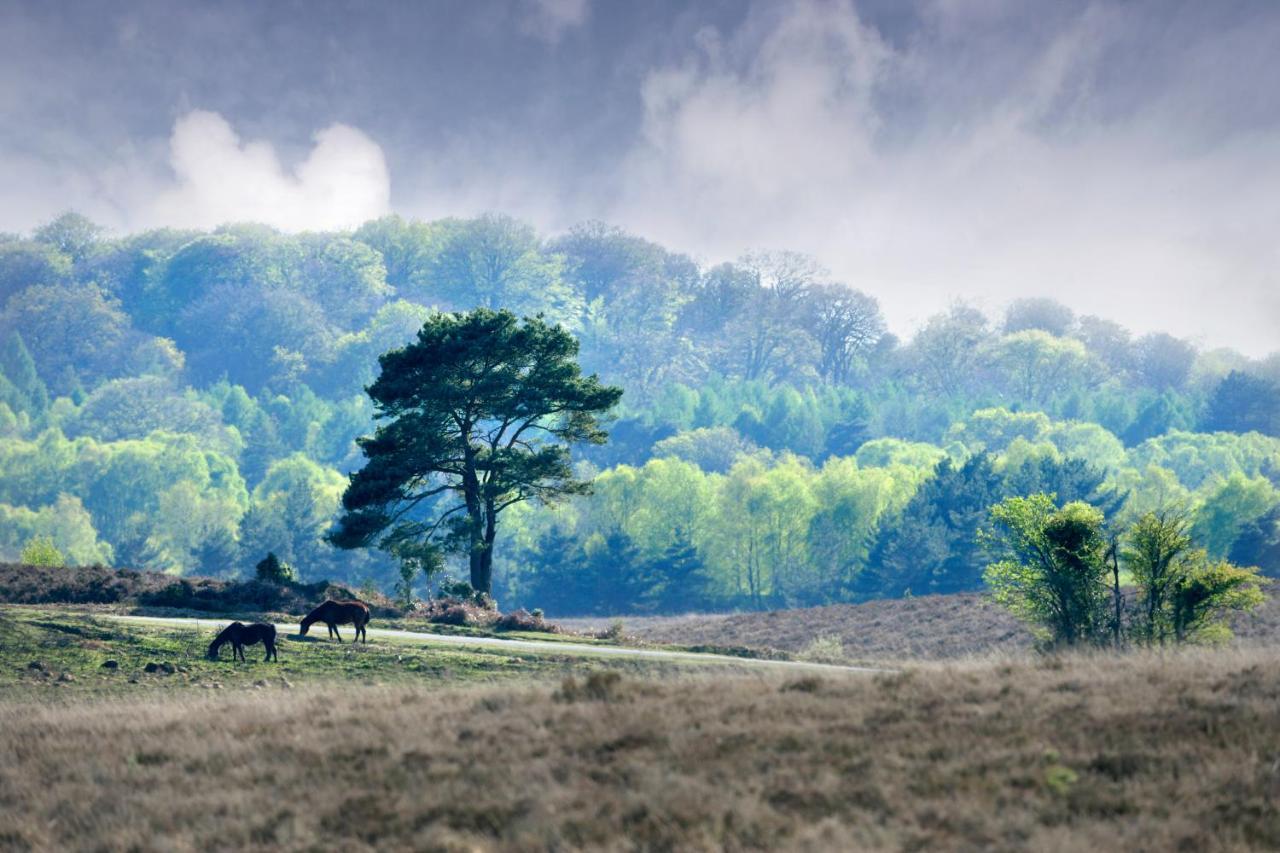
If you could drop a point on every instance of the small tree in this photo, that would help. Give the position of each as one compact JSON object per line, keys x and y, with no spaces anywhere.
{"x":1157,"y":550}
{"x":678,"y":578}
{"x":40,"y":551}
{"x":1202,"y":598}
{"x":1054,"y":571}
{"x":1183,"y":595}
{"x":416,"y":559}
{"x":271,"y":570}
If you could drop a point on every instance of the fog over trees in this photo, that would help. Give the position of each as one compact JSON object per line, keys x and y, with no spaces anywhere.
{"x":189,"y":401}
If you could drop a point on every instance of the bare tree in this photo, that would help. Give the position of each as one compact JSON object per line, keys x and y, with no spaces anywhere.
{"x":846,"y":323}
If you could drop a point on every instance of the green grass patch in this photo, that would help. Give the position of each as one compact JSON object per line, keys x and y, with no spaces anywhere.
{"x":50,"y":652}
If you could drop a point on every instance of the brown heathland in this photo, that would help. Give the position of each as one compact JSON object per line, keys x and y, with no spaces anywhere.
{"x":927,"y":627}
{"x":1139,"y":752}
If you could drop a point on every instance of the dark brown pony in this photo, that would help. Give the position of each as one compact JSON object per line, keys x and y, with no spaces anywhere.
{"x":240,"y":635}
{"x":335,"y":613}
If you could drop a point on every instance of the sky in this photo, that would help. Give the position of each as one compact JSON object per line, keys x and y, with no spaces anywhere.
{"x":1123,"y":157}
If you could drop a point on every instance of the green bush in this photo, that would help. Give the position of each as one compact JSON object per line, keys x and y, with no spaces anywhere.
{"x":273,"y":570}
{"x":40,"y":551}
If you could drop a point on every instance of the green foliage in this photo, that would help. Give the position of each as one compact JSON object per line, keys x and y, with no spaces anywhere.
{"x":1052,"y":572}
{"x":40,"y":551}
{"x":1228,"y":507}
{"x":1159,"y":553}
{"x":713,"y":449}
{"x":185,"y":401}
{"x":483,"y":408}
{"x":1184,"y":594}
{"x":16,"y":365}
{"x":934,"y":546}
{"x":1202,"y":599}
{"x":272,"y":570}
{"x":64,"y":522}
{"x":1034,"y":365}
{"x":1244,"y":403}
{"x":76,"y":334}
{"x":70,"y":234}
{"x":415,"y":560}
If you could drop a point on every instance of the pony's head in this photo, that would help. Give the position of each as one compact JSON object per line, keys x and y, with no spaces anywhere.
{"x":306,"y":625}
{"x":213,"y":648}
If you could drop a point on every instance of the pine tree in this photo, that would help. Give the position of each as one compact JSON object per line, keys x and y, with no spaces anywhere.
{"x":934,"y":547}
{"x":556,"y":579}
{"x":20,"y":369}
{"x":678,"y":579}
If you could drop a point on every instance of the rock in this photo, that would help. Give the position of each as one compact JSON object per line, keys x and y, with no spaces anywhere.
{"x":151,"y":666}
{"x":168,"y":668}
{"x":35,"y":664}
{"x":286,"y":683}
{"x":133,"y":679}
{"x":66,"y":676}
{"x":261,"y":682}
{"x":111,"y":664}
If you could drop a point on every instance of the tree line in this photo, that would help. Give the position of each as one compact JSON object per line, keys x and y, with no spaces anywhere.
{"x":190,"y":401}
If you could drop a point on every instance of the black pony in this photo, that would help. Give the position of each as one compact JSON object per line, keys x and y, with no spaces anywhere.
{"x":240,"y":635}
{"x":335,"y":613}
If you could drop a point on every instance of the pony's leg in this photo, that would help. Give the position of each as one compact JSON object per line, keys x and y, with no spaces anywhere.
{"x":337,"y":633}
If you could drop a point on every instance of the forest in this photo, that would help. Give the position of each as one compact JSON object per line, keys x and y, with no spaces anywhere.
{"x":189,"y":401}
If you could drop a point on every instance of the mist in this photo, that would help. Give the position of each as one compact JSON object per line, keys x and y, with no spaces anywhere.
{"x":1119,"y":157}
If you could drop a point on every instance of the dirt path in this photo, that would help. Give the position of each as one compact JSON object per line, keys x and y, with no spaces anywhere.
{"x":288,"y":631}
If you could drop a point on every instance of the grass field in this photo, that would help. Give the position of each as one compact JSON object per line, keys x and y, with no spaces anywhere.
{"x":1180,"y":752}
{"x":54,"y":652}
{"x":399,"y":745}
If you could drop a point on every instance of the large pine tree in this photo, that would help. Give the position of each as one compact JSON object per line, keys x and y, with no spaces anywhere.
{"x":478,"y":414}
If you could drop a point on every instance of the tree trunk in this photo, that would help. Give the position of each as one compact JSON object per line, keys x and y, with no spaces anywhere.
{"x":482,"y":570}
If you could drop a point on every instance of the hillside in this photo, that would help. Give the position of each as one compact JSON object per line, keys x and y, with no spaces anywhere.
{"x":188,"y":401}
{"x":927,"y":627}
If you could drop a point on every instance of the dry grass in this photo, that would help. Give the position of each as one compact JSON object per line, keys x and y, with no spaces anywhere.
{"x":933,"y":627}
{"x":1139,"y":753}
{"x":927,"y":627}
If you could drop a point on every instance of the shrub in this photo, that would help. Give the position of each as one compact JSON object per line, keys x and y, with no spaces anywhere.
{"x":455,"y":611}
{"x":40,"y":551}
{"x":1053,"y":571}
{"x":825,"y":648}
{"x":523,"y":620}
{"x":451,"y":588}
{"x":599,"y":686}
{"x":272,"y":570}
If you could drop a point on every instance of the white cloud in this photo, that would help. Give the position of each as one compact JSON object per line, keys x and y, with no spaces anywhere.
{"x":219,"y":178}
{"x":914,"y":176}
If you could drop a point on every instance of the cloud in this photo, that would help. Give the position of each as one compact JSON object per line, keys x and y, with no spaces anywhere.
{"x":1116,"y":154}
{"x":958,"y":163}
{"x":550,"y":19}
{"x":218,"y":178}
